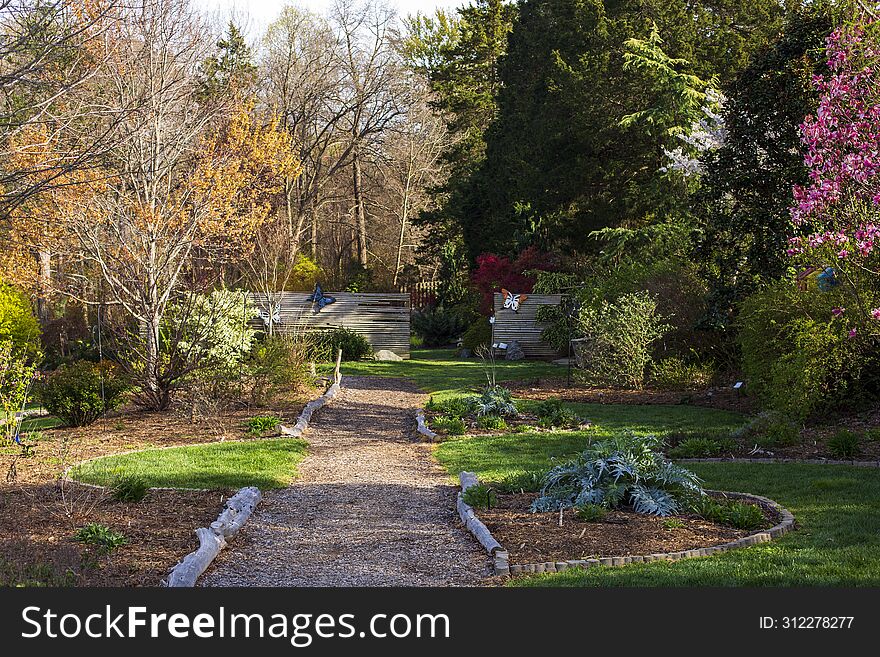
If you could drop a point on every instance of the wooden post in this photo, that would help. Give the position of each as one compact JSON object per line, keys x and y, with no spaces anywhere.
{"x":337,"y":375}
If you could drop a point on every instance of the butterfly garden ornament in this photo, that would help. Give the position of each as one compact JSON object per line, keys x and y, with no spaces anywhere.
{"x":319,"y":299}
{"x":271,"y":316}
{"x":512,"y":301}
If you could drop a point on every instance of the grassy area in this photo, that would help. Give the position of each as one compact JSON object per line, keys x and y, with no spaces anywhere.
{"x":496,"y":457}
{"x":837,"y":543}
{"x":442,"y":373}
{"x":261,"y":463}
{"x":39,"y":423}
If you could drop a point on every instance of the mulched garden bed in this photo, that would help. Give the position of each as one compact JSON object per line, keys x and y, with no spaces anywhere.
{"x":724,"y":398}
{"x":523,"y":421}
{"x":38,"y":521}
{"x":130,"y":430}
{"x":538,"y":538}
{"x":38,"y":526}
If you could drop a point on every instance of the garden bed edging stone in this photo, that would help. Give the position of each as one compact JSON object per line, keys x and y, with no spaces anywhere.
{"x":501,"y":557}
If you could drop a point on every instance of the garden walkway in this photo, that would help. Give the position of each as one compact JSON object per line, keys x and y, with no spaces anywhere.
{"x":370,"y":507}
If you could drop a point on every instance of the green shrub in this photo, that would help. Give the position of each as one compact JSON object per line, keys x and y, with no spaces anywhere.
{"x":440,"y":326}
{"x":274,"y":364}
{"x":873,"y":435}
{"x":675,"y":373}
{"x":744,"y":516}
{"x":451,"y":426}
{"x":324,"y":345}
{"x":590,"y":512}
{"x":15,"y":379}
{"x":673,"y":523}
{"x":728,"y":512}
{"x":623,"y":470}
{"x":209,"y":333}
{"x":100,"y":536}
{"x":780,"y":433}
{"x":452,"y":406}
{"x":479,"y":335}
{"x":795,"y":364}
{"x":845,"y":444}
{"x":553,"y":414}
{"x":262,"y":424}
{"x":495,"y":400}
{"x":492,"y":423}
{"x":74,"y":392}
{"x":617,"y":337}
{"x":129,"y":488}
{"x":18,"y":324}
{"x":480,"y":497}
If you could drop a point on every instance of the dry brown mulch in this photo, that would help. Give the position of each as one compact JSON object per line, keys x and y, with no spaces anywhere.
{"x":724,"y":398}
{"x":38,"y":526}
{"x":39,"y":516}
{"x":538,"y":538}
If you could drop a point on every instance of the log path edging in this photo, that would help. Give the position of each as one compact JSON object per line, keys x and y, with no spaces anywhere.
{"x":501,"y":557}
{"x":238,"y":508}
{"x":422,"y":426}
{"x":213,"y":539}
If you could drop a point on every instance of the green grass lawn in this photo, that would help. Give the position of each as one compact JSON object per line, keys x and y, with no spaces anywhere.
{"x":40,"y":422}
{"x":496,"y":457}
{"x":261,"y":463}
{"x":837,"y":542}
{"x":442,"y":373}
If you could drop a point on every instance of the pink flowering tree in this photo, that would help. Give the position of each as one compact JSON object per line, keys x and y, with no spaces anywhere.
{"x":836,"y":217}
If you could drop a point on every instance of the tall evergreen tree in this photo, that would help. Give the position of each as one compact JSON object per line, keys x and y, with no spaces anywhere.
{"x":743,"y":205}
{"x":559,"y":163}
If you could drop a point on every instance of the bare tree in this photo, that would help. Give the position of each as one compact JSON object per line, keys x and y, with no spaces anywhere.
{"x":374,"y":92}
{"x":411,"y":167}
{"x":142,"y":225}
{"x":301,"y":71}
{"x":50,"y":53}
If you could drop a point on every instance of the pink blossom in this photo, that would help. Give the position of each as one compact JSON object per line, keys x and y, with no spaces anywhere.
{"x":852,"y":332}
{"x":876,"y":314}
{"x":837,"y":312}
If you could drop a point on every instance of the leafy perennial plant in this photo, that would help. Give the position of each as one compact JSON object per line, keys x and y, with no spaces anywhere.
{"x":625,"y":470}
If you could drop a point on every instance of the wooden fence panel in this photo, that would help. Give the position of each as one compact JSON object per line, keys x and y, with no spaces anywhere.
{"x":382,"y":318}
{"x":523,"y":326}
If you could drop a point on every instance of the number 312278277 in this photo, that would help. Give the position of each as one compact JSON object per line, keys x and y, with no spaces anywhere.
{"x":807,"y":622}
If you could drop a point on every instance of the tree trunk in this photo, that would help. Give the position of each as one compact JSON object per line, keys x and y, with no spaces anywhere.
{"x":404,"y":217}
{"x":360,"y":215}
{"x":313,"y":241}
{"x":45,"y":261}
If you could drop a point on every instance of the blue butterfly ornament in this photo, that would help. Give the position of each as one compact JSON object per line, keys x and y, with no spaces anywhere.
{"x":320,"y":299}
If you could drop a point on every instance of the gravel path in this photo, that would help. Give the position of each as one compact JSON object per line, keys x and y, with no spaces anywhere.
{"x":370,"y":508}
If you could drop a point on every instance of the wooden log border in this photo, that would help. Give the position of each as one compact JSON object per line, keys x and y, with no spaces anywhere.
{"x":501,"y":557}
{"x":422,"y":426}
{"x":213,"y":539}
{"x":305,"y":417}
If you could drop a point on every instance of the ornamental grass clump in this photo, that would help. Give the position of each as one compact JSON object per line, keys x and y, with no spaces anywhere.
{"x":623,"y":471}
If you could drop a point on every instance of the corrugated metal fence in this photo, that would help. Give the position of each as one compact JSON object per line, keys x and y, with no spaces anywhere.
{"x":382,"y":318}
{"x":523,"y":326}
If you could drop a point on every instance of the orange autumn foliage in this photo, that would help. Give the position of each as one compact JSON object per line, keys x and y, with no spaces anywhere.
{"x":241,"y":174}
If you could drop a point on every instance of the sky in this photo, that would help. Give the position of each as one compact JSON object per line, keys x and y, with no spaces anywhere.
{"x":263,"y":12}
